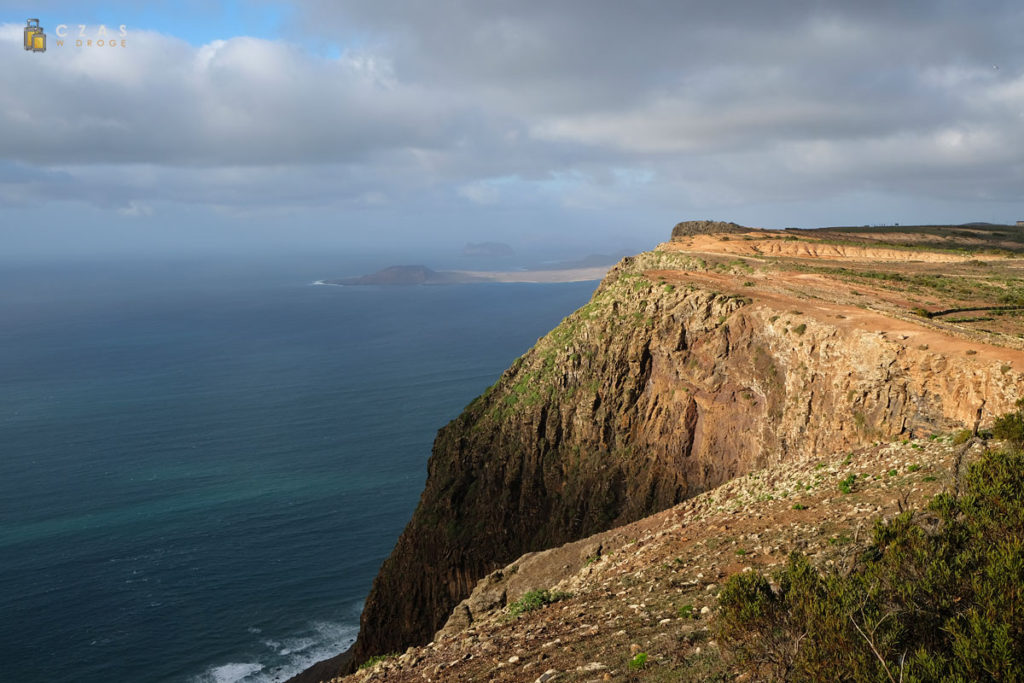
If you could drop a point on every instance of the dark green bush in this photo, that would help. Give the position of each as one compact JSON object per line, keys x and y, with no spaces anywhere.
{"x":937,"y":596}
{"x":1011,"y":426}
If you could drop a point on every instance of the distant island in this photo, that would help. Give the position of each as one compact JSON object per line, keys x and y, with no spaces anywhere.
{"x":591,"y":268}
{"x":402,"y":275}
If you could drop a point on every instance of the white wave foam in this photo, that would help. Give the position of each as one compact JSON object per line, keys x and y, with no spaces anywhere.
{"x":280,"y":660}
{"x":232,"y":673}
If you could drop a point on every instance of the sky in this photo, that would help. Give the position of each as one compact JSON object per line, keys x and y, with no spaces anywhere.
{"x":579,"y":124}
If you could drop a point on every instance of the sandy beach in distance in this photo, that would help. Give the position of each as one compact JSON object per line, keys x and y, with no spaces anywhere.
{"x":565,"y":275}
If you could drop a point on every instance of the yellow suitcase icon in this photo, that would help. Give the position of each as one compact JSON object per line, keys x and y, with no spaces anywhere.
{"x":35,"y":39}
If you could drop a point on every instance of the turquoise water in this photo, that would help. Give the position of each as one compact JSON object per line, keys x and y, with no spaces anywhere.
{"x":202,"y":465}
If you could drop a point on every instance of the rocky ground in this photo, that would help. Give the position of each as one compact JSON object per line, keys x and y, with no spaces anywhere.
{"x":651,"y":588}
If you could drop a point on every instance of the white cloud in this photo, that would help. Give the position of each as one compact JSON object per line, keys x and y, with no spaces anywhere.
{"x":240,"y":101}
{"x":700,"y":104}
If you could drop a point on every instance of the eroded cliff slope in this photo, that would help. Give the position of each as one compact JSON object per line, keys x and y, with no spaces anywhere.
{"x":686,"y":369}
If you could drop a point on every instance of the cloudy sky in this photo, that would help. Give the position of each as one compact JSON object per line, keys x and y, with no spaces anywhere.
{"x":337,"y":123}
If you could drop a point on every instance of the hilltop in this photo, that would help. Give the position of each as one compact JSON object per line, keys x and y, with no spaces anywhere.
{"x":964,"y":281}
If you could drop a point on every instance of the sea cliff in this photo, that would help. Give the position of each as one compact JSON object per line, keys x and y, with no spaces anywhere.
{"x":692,"y":365}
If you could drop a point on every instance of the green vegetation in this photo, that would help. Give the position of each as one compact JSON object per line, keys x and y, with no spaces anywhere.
{"x":376,"y":659}
{"x":962,"y":437}
{"x":535,"y":600}
{"x":799,"y":506}
{"x":937,"y":596}
{"x":685,"y":612}
{"x":953,"y":238}
{"x":997,"y":289}
{"x":1011,"y":426}
{"x":846,"y":485}
{"x":740,"y":265}
{"x":800,"y":329}
{"x":638,"y":662}
{"x":668,"y":260}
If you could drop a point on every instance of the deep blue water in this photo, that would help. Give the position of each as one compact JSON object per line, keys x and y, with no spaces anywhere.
{"x":202,"y":465}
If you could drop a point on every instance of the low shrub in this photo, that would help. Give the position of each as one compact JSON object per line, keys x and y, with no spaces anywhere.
{"x":938,"y":595}
{"x":638,"y":662}
{"x":535,"y":600}
{"x":1011,"y":426}
{"x":376,"y":659}
{"x":962,"y":437}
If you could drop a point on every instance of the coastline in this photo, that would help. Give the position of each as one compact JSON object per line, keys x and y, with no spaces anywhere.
{"x":538,"y":276}
{"x":460,"y":277}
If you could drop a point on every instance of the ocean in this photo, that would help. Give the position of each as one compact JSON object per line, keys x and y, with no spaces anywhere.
{"x":204,"y":462}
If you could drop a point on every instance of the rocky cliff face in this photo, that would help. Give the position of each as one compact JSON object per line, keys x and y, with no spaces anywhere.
{"x":652,"y":585}
{"x":646,"y":396}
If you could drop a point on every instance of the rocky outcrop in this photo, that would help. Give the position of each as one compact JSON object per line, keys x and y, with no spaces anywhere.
{"x":690,"y":228}
{"x":646,"y":396}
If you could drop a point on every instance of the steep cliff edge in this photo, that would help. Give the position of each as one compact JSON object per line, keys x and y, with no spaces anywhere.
{"x":680,"y":374}
{"x":653,"y":586}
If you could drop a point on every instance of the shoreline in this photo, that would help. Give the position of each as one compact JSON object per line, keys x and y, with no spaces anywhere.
{"x":461,"y":277}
